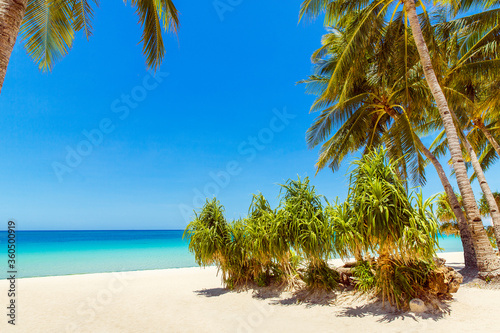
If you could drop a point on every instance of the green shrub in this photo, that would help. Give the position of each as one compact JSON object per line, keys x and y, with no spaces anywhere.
{"x":365,"y":275}
{"x":380,"y":217}
{"x":209,"y":234}
{"x":320,"y":276}
{"x":213,"y":241}
{"x":308,"y":230}
{"x":399,"y":281}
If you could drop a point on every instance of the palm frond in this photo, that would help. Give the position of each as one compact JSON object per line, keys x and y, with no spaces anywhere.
{"x":83,"y":14}
{"x":155,"y":16}
{"x":47,"y":31}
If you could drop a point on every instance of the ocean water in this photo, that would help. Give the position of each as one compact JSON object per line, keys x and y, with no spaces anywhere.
{"x":49,"y":253}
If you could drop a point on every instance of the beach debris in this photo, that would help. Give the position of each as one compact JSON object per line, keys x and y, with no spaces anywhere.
{"x":417,"y":306}
{"x":346,"y":275}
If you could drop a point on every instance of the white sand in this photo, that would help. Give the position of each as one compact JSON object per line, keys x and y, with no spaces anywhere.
{"x":192,"y":300}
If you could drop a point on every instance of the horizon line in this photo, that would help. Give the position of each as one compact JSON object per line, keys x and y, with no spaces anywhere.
{"x":96,"y":230}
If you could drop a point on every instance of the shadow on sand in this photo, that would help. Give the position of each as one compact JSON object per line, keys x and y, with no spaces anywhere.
{"x":304,"y":297}
{"x":385,"y":314}
{"x":308,"y":298}
{"x":214,"y":292}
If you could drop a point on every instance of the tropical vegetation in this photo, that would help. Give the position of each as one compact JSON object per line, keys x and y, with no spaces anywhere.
{"x":387,"y":75}
{"x":48,"y":28}
{"x":391,"y":231}
{"x":448,"y":223}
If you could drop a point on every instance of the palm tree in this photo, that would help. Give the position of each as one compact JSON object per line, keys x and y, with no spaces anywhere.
{"x":48,"y":28}
{"x":448,"y":221}
{"x":374,"y":106}
{"x":487,"y":195}
{"x":335,"y":10}
{"x":472,"y":73}
{"x":483,"y":203}
{"x":485,"y":209}
{"x":446,"y":216}
{"x":367,"y":102}
{"x":470,"y":58}
{"x":489,"y":122}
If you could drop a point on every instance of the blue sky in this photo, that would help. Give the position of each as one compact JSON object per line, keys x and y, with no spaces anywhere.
{"x":222,"y":116}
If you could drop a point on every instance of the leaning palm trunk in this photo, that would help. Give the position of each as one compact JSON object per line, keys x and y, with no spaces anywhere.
{"x":11,"y":17}
{"x":465,"y":234}
{"x":486,"y":259}
{"x":492,"y":204}
{"x":488,"y":195}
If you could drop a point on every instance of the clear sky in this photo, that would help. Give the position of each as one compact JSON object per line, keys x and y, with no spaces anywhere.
{"x":99,"y":143}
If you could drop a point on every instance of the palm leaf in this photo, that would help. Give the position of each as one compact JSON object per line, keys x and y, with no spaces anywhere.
{"x":155,"y":16}
{"x":47,"y":31}
{"x":83,"y":14}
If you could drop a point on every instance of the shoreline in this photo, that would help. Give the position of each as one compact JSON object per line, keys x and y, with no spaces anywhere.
{"x":335,"y":262}
{"x":191,"y":299}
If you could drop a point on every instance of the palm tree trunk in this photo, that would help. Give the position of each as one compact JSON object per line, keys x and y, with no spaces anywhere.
{"x":490,"y":138}
{"x":487,"y":261}
{"x":490,"y":199}
{"x":11,"y":16}
{"x":465,"y":235}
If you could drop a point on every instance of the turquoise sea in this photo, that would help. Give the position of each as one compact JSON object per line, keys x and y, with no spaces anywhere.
{"x":48,"y":253}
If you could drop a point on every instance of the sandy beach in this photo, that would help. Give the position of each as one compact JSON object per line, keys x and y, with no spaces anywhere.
{"x":192,"y":300}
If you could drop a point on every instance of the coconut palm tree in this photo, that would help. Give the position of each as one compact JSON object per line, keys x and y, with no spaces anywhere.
{"x":335,"y":11}
{"x":446,"y":216}
{"x":368,"y":99}
{"x":448,"y":221}
{"x":483,"y":203}
{"x":488,"y":122}
{"x":48,"y":28}
{"x":468,"y":48}
{"x":373,"y":105}
{"x":487,"y":195}
{"x":485,"y":210}
{"x":472,"y":72}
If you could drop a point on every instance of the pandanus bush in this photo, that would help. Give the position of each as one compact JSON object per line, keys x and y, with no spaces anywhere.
{"x":209,"y":235}
{"x":239,"y":264}
{"x":392,"y":233}
{"x":214,"y":241}
{"x":381,"y":217}
{"x":267,"y":244}
{"x":309,"y":232}
{"x":346,"y":237}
